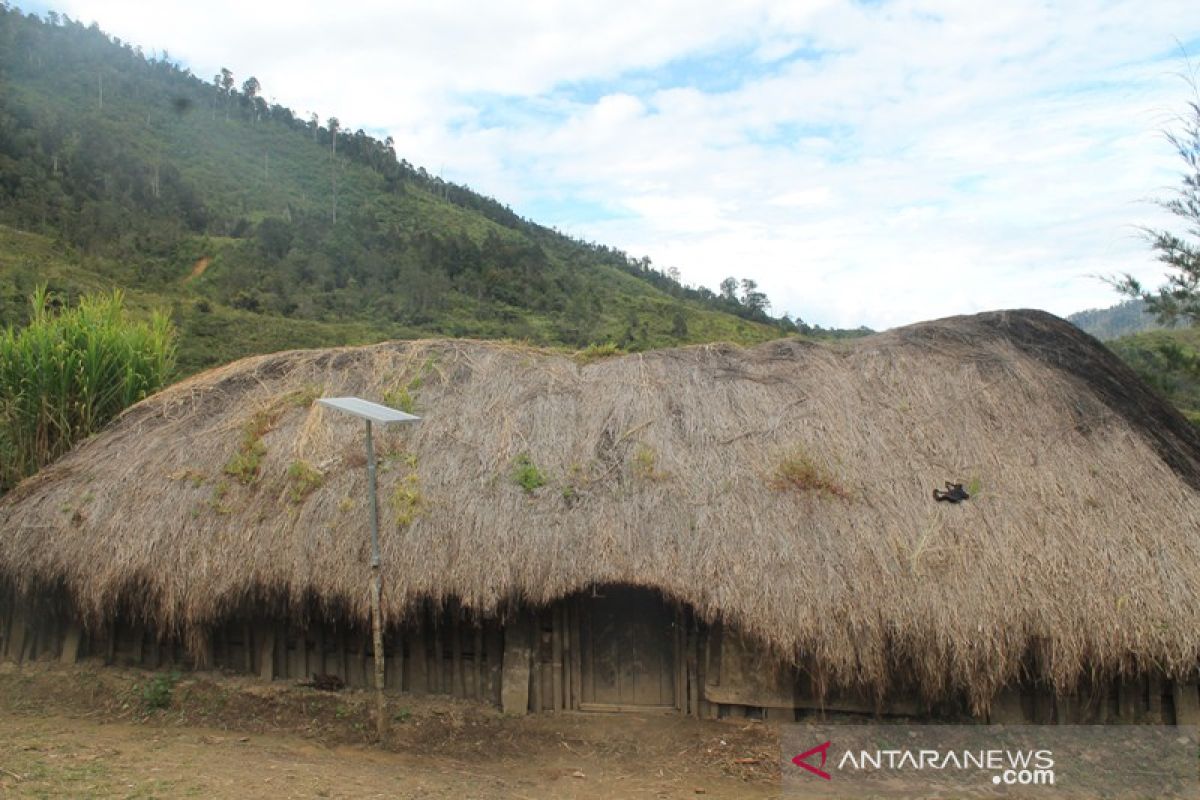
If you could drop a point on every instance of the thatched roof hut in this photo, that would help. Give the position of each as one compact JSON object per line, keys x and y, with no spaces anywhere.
{"x":784,"y":489}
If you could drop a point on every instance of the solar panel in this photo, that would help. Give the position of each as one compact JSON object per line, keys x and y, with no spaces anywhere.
{"x":375,"y":412}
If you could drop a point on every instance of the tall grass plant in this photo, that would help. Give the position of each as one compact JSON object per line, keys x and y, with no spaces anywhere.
{"x":71,"y":371}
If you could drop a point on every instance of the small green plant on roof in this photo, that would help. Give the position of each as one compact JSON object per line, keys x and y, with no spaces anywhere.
{"x":799,"y":473}
{"x":406,"y":500}
{"x":527,"y":475}
{"x":645,"y":464}
{"x":596,"y":352}
{"x":302,"y":398}
{"x":303,"y":480}
{"x":403,"y":395}
{"x":245,"y":464}
{"x":400,"y":397}
{"x":220,"y":492}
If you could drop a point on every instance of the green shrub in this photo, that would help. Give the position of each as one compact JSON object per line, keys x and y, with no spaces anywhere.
{"x":156,"y":692}
{"x":68,"y":373}
{"x":407,"y":501}
{"x":303,"y":480}
{"x":527,"y":475}
{"x":246,"y":462}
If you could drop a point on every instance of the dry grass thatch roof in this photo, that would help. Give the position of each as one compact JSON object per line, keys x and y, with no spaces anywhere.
{"x":785,"y":488}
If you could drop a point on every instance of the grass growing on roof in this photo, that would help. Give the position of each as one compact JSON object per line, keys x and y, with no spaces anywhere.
{"x":645,"y":464}
{"x":596,"y":352}
{"x":303,"y":480}
{"x":798,"y":472}
{"x":406,"y":500}
{"x":246,"y":463}
{"x":527,"y":475}
{"x":402,"y":395}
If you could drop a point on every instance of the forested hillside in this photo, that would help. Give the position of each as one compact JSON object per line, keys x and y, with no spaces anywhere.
{"x":1168,"y":360}
{"x":1124,"y":319}
{"x":261,"y":230}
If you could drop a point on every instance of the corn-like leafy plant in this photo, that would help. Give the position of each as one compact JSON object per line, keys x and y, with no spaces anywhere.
{"x":69,"y":372}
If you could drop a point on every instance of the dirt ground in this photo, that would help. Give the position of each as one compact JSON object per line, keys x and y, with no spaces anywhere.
{"x":105,"y":732}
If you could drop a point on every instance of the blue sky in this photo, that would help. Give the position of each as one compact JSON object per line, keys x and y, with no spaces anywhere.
{"x":869,"y":164}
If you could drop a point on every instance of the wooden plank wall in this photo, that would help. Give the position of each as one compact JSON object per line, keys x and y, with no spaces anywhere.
{"x":442,"y":650}
{"x":457,"y":656}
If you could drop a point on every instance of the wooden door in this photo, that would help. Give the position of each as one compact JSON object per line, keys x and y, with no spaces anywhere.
{"x":627,"y":640}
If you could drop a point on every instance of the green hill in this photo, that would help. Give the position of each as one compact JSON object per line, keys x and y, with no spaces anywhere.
{"x":1125,"y":318}
{"x":261,"y":231}
{"x":1169,"y":360}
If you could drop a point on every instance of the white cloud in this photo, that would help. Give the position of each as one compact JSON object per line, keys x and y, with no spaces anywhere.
{"x":869,"y":164}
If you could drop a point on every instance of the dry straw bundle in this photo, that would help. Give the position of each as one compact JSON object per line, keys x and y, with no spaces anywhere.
{"x":783,"y":488}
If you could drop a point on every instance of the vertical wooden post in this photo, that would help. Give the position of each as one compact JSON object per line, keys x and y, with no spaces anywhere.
{"x":6,"y":611}
{"x":515,"y":675}
{"x":16,"y":635}
{"x":1043,"y":706}
{"x":493,"y":638}
{"x":247,"y":650}
{"x":137,"y":651}
{"x":280,"y":654}
{"x":457,"y":683}
{"x":343,"y":658}
{"x":362,"y":674}
{"x":702,"y":704}
{"x":576,"y":653}
{"x":1007,"y":708}
{"x":1129,"y":700}
{"x":477,"y":679}
{"x":537,"y":677}
{"x":1101,"y":697}
{"x":297,"y":656}
{"x":567,"y":670}
{"x":319,"y":652}
{"x":680,"y":664}
{"x":1187,"y":702}
{"x":110,"y":653}
{"x":395,"y":670}
{"x":1067,"y":710}
{"x":266,"y":652}
{"x":154,"y":652}
{"x":207,"y":658}
{"x":418,"y":659}
{"x":70,"y":648}
{"x":436,"y":675}
{"x":1155,"y":710}
{"x":693,"y":664}
{"x":556,"y":649}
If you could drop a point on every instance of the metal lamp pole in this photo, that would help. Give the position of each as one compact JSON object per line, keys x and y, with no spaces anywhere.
{"x":373,"y":412}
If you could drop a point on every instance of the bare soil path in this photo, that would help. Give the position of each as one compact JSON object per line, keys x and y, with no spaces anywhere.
{"x":91,"y":732}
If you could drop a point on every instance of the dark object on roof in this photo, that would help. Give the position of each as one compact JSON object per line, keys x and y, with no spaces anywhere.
{"x":955,"y":493}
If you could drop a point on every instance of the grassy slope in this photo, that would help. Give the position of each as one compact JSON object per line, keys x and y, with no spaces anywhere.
{"x":222,"y":334}
{"x":1170,"y":361}
{"x":255,"y":170}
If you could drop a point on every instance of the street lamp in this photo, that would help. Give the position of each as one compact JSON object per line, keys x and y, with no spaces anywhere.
{"x":373,"y":412}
